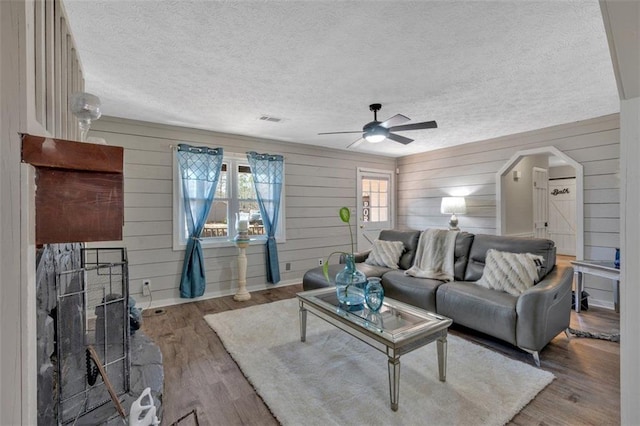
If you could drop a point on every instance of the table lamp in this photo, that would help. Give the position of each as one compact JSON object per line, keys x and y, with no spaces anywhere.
{"x":453,"y":205}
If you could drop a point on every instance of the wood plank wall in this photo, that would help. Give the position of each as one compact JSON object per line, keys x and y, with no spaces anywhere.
{"x":425,"y":178}
{"x":40,"y":69}
{"x":56,"y":71}
{"x":317,"y":183}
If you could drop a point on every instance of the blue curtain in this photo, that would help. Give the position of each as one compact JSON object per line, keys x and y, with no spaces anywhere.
{"x":268,"y":172}
{"x":199,"y":173}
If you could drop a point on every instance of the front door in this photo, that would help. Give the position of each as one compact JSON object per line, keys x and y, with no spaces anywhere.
{"x":375,"y":207}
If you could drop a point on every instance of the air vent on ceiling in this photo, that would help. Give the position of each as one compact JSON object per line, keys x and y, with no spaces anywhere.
{"x":272,"y":119}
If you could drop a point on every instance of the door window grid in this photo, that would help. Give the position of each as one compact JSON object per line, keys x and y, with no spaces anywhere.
{"x":375,"y":200}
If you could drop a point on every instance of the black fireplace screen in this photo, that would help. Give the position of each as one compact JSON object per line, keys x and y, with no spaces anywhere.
{"x":92,"y":310}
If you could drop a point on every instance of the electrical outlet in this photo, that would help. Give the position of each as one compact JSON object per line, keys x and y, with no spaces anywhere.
{"x":146,"y":287}
{"x":320,"y":262}
{"x":287,"y":266}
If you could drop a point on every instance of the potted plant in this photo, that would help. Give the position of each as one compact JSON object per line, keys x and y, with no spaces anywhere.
{"x":350,"y":283}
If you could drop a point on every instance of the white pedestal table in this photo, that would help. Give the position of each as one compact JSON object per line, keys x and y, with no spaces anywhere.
{"x":242,"y":294}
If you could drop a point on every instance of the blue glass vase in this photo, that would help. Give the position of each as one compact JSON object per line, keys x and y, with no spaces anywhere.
{"x":350,"y":285}
{"x":374,"y":294}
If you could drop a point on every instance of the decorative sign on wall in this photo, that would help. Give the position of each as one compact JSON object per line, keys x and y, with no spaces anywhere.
{"x":560,"y":191}
{"x":365,"y":208}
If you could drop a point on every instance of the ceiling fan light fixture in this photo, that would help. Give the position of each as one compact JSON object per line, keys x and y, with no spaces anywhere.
{"x":376,"y":134}
{"x":377,"y":131}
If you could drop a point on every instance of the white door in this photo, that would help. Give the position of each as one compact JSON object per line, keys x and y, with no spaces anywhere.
{"x":540,"y":203}
{"x":562,"y":215}
{"x":375,"y":205}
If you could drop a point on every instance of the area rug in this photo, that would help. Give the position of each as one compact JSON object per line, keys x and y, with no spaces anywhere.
{"x":612,"y":337}
{"x":335,"y":379}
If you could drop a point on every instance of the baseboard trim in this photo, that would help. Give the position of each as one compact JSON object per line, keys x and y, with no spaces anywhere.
{"x":171,"y":301}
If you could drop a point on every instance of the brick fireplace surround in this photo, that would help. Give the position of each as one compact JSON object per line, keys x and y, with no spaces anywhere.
{"x":79,"y":197}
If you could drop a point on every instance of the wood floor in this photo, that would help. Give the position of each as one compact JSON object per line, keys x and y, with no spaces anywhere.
{"x":200,"y":374}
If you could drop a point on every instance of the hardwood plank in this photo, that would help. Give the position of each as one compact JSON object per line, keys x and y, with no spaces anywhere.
{"x":201,"y":375}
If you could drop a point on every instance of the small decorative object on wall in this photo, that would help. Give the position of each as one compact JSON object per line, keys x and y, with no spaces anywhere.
{"x":560,"y":191}
{"x":453,"y":205}
{"x":86,"y":107}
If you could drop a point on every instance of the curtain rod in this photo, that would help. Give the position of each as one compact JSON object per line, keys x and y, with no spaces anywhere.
{"x":175,"y":147}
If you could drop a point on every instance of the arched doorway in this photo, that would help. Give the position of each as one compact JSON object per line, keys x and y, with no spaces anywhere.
{"x":502,"y":201}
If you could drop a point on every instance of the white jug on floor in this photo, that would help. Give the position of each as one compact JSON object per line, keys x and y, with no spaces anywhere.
{"x":138,"y":409}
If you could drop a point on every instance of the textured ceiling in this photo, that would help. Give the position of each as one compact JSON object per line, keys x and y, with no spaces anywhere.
{"x":480,"y":69}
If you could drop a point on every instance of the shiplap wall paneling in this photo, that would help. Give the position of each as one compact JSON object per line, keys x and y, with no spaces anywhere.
{"x":31,"y":97}
{"x":470,"y":170}
{"x":55,"y":72}
{"x":317,"y":183}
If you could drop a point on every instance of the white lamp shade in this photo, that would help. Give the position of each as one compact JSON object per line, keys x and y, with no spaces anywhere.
{"x":453,"y":205}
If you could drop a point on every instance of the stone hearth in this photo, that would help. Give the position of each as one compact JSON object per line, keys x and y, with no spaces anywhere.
{"x":79,"y":304}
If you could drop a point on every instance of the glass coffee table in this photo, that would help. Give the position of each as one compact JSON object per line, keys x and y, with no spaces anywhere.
{"x":397,"y":329}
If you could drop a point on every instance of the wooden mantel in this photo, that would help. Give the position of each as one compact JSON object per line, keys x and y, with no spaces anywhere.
{"x":79,"y":190}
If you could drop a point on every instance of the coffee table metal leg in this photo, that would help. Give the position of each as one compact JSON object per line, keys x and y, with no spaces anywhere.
{"x":442,"y":357}
{"x":394,"y":382}
{"x":303,"y":323}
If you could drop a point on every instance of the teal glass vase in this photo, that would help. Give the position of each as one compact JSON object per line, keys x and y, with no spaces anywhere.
{"x":350,"y":285}
{"x":374,"y":294}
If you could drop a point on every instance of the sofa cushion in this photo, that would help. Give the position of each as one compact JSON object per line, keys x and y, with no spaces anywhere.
{"x":482,"y":243}
{"x":314,"y":278}
{"x":385,"y":253}
{"x":488,"y":311}
{"x":510,"y":272}
{"x":410,"y":241}
{"x":461,"y":254}
{"x":372,"y":270}
{"x":420,"y":292}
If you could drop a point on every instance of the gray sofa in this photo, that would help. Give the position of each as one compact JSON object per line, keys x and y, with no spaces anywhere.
{"x":528,"y":321}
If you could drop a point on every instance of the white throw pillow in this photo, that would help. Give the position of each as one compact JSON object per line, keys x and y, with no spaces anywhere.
{"x":385,"y":253}
{"x":510,"y":272}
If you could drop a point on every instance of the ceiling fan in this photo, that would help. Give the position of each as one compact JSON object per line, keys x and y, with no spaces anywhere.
{"x":376,"y":131}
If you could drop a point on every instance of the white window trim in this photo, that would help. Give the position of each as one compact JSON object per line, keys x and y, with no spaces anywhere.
{"x":180,"y":243}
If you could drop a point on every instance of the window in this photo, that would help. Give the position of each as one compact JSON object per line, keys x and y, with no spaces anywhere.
{"x":235,"y":194}
{"x":375,"y":201}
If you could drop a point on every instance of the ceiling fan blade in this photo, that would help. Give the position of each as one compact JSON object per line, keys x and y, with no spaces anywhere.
{"x":356,"y":143}
{"x":394,"y":121}
{"x":339,"y":133}
{"x":399,"y":138}
{"x":415,"y":126}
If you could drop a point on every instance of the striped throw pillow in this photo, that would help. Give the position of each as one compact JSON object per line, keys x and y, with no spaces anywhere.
{"x":510,"y":272}
{"x":385,"y":253}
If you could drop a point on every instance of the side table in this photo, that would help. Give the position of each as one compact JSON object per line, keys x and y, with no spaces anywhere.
{"x":600,"y":268}
{"x":242,"y":294}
